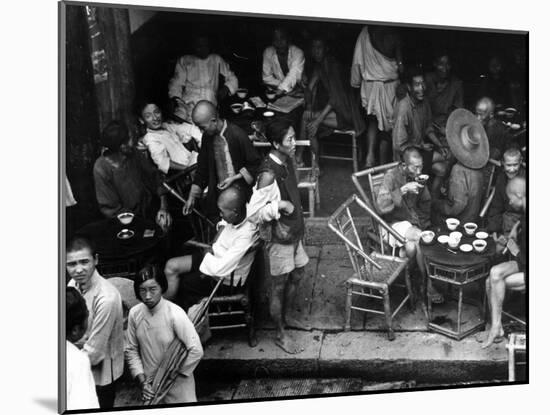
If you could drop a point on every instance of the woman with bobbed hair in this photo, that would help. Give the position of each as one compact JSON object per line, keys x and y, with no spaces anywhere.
{"x":152,"y":327}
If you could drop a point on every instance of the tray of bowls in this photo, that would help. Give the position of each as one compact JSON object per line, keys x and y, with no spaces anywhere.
{"x":466,"y":238}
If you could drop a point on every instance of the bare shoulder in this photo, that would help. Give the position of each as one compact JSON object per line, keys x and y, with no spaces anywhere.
{"x":265,"y":178}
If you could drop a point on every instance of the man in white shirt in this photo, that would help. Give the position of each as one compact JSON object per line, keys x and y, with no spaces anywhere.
{"x":103,"y":341}
{"x":283,"y":63}
{"x":167,"y":142}
{"x":196,"y":78}
{"x":81,"y":392}
{"x":231,"y":252}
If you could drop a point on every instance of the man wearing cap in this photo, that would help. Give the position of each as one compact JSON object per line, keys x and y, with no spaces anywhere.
{"x":511,"y":274}
{"x":468,"y":143}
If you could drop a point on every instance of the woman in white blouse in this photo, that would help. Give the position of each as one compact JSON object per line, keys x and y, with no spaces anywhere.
{"x":152,"y":326}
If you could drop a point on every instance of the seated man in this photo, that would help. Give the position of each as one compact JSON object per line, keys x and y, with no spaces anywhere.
{"x":405,"y":204}
{"x":498,"y":135}
{"x":283,"y":63}
{"x":237,"y":235}
{"x":510,"y":274}
{"x":502,"y":216}
{"x":495,"y":85}
{"x":413,"y":125}
{"x":126,"y":181}
{"x":329,"y":98}
{"x":171,"y":145}
{"x":444,"y":91}
{"x":227,"y":157}
{"x":196,"y":78}
{"x":469,"y":145}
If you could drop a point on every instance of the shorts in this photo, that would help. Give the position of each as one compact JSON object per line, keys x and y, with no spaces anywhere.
{"x":402,"y":228}
{"x":283,"y":259}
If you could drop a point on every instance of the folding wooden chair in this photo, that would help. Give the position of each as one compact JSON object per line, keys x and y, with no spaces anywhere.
{"x":374,"y":177}
{"x":374,"y":275}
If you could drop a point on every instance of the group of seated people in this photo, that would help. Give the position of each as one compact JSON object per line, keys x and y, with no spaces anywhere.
{"x":258,"y":200}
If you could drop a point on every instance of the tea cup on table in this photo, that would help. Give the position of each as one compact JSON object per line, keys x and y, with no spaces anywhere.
{"x":427,"y":236}
{"x":452,"y":223}
{"x":454,"y":239}
{"x":470,"y":228}
{"x":479,"y":245}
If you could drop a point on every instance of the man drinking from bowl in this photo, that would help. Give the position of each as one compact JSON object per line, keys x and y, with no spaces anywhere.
{"x":405,"y":204}
{"x":511,"y":274}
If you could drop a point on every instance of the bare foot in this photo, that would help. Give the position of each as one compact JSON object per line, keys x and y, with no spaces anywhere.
{"x":286,"y":343}
{"x":494,"y":336}
{"x":297,"y":324}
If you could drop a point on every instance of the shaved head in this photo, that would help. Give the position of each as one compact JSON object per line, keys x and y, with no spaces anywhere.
{"x":516,"y":191}
{"x":411,"y":153}
{"x":486,"y":104}
{"x":232,"y":205}
{"x":204,"y":111}
{"x":205,"y":116}
{"x":485,"y":109}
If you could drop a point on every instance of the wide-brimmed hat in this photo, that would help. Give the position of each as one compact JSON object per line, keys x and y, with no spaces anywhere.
{"x":467,"y":139}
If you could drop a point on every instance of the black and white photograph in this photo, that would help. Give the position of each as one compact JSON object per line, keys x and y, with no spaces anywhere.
{"x":269,"y":207}
{"x":266,"y":207}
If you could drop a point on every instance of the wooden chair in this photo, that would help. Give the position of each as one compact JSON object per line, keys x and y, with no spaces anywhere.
{"x":375,"y":274}
{"x":374,"y":177}
{"x":308,"y":178}
{"x":234,"y":309}
{"x":517,"y":344}
{"x":325,"y":154}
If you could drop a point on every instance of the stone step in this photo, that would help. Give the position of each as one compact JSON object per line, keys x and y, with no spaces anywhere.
{"x":366,"y":354}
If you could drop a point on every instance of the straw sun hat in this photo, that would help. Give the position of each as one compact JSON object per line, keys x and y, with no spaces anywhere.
{"x":467,"y":139}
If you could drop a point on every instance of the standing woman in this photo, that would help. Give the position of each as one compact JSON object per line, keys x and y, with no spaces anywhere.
{"x":152,"y":326}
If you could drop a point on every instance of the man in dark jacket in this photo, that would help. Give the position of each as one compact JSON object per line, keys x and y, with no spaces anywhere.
{"x":227,"y":157}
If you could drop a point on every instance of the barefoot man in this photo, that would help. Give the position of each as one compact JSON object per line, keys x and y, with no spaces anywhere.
{"x":286,"y":257}
{"x":510,"y":274}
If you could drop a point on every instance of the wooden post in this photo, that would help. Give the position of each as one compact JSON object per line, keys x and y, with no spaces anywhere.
{"x":81,"y":122}
{"x":116,"y":95}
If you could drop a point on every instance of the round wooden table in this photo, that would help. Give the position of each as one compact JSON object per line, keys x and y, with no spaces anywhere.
{"x":460,"y":272}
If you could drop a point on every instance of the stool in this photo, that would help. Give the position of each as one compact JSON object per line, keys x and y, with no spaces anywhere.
{"x":515,"y":344}
{"x":353,"y":157}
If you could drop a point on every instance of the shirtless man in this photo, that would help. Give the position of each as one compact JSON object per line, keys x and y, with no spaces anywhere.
{"x":511,"y":274}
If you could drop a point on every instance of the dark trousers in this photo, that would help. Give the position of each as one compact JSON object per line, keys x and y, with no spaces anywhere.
{"x":194,"y":286}
{"x":106,"y":395}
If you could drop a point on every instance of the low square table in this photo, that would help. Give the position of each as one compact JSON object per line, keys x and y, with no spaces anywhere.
{"x":463,"y":274}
